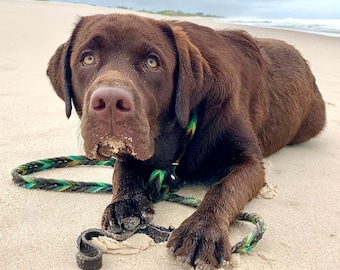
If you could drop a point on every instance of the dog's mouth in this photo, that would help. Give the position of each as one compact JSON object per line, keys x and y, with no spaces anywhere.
{"x":120,"y":149}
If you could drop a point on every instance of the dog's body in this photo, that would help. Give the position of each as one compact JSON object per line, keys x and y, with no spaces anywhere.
{"x":135,"y":83}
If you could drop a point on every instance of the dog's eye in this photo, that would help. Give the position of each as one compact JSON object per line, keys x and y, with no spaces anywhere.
{"x":152,"y":62}
{"x":88,"y":59}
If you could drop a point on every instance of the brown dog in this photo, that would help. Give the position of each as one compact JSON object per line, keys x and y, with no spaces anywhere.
{"x":137,"y":82}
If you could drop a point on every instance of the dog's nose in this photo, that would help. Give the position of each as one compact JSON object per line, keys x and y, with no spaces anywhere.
{"x":111,"y":104}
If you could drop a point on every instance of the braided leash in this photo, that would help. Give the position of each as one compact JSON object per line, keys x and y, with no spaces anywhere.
{"x":22,"y":178}
{"x":157,"y":187}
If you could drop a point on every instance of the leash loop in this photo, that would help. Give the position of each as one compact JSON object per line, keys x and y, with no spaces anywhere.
{"x":156,"y":186}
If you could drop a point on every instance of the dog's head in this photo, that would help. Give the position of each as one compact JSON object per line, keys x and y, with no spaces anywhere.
{"x":130,"y":79}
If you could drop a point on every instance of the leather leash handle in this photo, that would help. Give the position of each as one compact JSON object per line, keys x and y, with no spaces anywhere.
{"x":89,"y":257}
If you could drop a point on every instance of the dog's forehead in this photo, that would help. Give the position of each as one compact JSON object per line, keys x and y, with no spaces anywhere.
{"x":125,"y":29}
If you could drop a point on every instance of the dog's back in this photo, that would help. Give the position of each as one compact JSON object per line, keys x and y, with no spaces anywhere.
{"x":284,"y":104}
{"x":296,"y":107}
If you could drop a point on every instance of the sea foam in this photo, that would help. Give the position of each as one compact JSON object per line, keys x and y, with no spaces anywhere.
{"x":329,"y":27}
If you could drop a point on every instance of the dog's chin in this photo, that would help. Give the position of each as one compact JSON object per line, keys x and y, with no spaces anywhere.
{"x":119,"y":149}
{"x":118,"y":152}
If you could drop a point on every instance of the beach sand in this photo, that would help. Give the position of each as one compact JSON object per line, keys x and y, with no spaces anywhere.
{"x":38,"y":229}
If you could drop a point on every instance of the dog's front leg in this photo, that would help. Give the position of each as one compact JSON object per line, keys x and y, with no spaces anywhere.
{"x":203,"y":238}
{"x":130,"y":204}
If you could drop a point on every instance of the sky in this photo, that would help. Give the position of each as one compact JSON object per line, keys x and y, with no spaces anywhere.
{"x":271,"y":9}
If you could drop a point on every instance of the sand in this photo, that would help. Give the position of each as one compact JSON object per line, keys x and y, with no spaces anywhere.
{"x":38,"y":229}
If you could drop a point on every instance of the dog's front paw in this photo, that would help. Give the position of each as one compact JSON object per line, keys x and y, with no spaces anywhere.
{"x":126,"y":215}
{"x":201,"y":241}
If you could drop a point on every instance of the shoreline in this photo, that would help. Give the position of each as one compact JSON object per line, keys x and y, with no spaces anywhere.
{"x":328,"y":33}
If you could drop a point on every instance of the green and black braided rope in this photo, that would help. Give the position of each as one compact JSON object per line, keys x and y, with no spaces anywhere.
{"x":21,"y":176}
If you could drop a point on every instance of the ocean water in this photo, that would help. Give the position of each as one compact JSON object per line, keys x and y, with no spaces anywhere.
{"x":328,"y":27}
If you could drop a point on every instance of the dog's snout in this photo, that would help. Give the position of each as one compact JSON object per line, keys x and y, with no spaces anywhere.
{"x":112,"y":103}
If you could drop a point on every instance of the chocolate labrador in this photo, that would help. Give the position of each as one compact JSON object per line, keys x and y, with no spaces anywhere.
{"x":136,"y":83}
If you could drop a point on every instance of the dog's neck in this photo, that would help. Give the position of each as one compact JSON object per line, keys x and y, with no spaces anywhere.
{"x":163,"y":182}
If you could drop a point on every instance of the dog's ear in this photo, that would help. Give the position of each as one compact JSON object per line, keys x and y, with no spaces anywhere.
{"x":59,"y":70}
{"x":193,"y":72}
